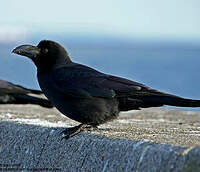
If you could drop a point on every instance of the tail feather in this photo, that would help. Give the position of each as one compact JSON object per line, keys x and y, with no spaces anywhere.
{"x":171,"y":100}
{"x":24,"y":99}
{"x":154,"y":98}
{"x":35,"y":91}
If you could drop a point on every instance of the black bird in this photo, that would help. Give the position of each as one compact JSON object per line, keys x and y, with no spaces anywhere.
{"x":16,"y":94}
{"x":87,"y":95}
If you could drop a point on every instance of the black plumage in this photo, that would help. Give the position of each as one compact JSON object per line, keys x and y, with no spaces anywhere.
{"x":16,"y":94}
{"x":87,"y":95}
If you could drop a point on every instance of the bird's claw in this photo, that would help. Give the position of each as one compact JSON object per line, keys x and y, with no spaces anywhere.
{"x":70,"y":132}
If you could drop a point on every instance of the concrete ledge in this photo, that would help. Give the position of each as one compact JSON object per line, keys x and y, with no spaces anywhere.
{"x":35,"y":148}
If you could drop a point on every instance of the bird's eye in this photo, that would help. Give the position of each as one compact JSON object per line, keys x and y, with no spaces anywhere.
{"x":45,"y":51}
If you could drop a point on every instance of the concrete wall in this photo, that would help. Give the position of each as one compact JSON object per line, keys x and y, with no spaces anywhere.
{"x":34,"y":148}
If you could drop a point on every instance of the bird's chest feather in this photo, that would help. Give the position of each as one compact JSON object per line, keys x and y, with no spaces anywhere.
{"x":50,"y":90}
{"x":93,"y":109}
{"x":64,"y":102}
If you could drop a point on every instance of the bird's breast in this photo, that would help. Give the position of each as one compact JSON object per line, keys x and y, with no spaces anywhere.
{"x":85,"y":110}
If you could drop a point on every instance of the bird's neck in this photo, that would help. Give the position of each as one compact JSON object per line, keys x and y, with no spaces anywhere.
{"x":48,"y":66}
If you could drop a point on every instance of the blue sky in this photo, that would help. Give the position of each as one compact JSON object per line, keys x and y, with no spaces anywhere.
{"x":130,"y":18}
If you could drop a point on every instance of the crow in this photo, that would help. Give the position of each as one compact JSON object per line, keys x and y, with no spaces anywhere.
{"x":87,"y":95}
{"x":16,"y":94}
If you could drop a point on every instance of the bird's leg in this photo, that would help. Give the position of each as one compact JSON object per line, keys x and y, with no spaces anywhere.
{"x":70,"y":132}
{"x":91,"y":127}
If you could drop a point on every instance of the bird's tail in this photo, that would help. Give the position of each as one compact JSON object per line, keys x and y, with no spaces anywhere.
{"x":26,"y":90}
{"x":170,"y":100}
{"x":153,"y":98}
{"x":26,"y":99}
{"x":35,"y":91}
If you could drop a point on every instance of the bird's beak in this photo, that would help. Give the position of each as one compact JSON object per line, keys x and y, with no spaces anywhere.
{"x":27,"y":50}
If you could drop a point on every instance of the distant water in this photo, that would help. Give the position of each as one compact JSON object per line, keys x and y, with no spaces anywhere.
{"x":169,"y":66}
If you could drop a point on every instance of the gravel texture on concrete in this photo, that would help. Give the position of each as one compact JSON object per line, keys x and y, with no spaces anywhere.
{"x":151,"y":140}
{"x":160,"y":125}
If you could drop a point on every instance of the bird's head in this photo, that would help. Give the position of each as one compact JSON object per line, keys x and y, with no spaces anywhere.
{"x":46,"y":55}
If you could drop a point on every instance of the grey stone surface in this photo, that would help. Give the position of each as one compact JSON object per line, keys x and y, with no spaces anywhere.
{"x":31,"y":140}
{"x":42,"y":148}
{"x":165,"y":126}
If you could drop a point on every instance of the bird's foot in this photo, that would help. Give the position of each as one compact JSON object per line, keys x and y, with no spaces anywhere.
{"x":70,"y":132}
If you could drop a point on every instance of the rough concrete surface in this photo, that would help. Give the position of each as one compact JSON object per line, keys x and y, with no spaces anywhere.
{"x":151,"y":140}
